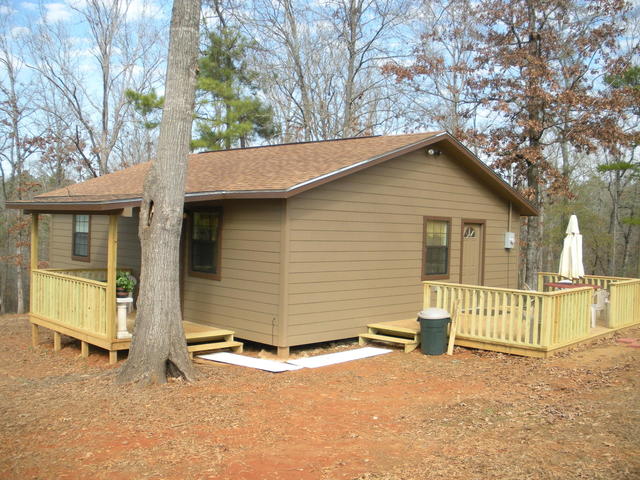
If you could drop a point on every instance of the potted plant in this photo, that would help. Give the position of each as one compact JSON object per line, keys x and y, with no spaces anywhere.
{"x":125,"y":284}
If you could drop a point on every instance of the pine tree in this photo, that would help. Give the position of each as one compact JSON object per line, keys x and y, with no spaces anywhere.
{"x":228,"y":112}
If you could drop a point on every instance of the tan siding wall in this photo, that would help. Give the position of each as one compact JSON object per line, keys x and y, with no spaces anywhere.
{"x":356,"y":244}
{"x":246,"y":299}
{"x":60,"y":242}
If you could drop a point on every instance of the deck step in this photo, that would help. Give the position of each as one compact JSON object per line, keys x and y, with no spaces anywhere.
{"x":396,"y":329}
{"x":408,"y":343}
{"x":207,"y":347}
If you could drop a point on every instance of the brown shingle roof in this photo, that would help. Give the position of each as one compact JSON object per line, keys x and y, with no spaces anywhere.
{"x":270,"y":171}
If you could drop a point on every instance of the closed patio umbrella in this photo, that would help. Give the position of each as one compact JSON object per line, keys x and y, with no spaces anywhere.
{"x":571,"y":257}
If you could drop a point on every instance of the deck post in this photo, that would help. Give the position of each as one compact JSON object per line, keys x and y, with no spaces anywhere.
{"x":35,"y":337}
{"x":33,"y":265}
{"x":112,"y":256}
{"x":34,"y":241}
{"x":33,"y":262}
{"x":84,"y":349}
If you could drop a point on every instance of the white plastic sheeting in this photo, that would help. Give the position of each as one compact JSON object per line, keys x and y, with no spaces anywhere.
{"x":307,"y":362}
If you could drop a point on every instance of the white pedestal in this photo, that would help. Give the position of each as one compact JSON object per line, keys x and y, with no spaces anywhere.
{"x":122,"y":306}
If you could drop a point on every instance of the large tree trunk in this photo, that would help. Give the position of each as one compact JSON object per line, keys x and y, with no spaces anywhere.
{"x":293,"y":43}
{"x":158,"y":348}
{"x":533,"y":256}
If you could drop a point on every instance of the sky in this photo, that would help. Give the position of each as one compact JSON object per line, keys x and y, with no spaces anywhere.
{"x":64,"y":11}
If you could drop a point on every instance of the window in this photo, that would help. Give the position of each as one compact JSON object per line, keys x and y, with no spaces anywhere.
{"x":469,"y":232}
{"x":81,"y":235}
{"x":205,"y":244}
{"x":436,"y":248}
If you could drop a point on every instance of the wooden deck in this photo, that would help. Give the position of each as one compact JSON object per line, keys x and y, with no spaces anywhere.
{"x":200,"y":338}
{"x":400,"y":332}
{"x":535,"y":323}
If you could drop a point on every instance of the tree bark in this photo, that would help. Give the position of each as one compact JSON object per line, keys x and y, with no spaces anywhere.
{"x":352,"y":17}
{"x":533,"y":247}
{"x":158,"y":349}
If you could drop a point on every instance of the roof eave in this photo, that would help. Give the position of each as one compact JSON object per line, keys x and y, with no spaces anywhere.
{"x":111,"y":206}
{"x":103,"y":207}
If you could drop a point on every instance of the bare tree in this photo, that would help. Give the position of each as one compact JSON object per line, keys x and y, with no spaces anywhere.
{"x":321,"y":63}
{"x":437,"y":80}
{"x":159,"y":348}
{"x":120,"y":52}
{"x":17,"y":144}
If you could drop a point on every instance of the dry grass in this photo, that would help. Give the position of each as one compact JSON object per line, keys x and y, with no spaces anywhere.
{"x":475,"y":415}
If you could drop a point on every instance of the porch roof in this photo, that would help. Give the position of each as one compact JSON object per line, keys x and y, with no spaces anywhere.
{"x":278,"y":171}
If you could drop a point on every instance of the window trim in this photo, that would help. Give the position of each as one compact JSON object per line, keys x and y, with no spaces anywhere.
{"x":80,"y":258}
{"x":447,"y":275}
{"x":192,"y":273}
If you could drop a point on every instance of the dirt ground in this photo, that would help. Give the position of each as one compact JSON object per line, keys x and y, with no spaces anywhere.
{"x":475,"y":415}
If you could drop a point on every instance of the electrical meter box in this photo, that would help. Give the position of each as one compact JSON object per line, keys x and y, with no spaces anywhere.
{"x":509,"y":240}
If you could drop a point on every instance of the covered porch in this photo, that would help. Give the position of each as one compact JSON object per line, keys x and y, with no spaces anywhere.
{"x":81,"y":303}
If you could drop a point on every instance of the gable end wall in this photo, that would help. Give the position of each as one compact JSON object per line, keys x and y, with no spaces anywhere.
{"x":355,"y":244}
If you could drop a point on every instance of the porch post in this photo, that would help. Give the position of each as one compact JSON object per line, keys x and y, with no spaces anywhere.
{"x":34,"y":241}
{"x":33,"y":263}
{"x":112,"y":257}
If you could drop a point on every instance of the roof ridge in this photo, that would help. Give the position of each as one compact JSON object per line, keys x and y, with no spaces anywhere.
{"x":306,"y":142}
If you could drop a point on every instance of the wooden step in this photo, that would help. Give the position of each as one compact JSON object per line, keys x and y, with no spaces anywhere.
{"x":393,"y":332}
{"x":207,"y":347}
{"x":391,"y":327}
{"x":408,"y":343}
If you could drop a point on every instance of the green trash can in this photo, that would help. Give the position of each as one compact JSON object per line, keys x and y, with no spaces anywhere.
{"x":433,"y":330}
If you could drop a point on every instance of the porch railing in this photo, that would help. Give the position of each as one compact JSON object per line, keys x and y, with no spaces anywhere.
{"x":74,"y":298}
{"x":71,"y":301}
{"x":514,"y":317}
{"x":97,"y":274}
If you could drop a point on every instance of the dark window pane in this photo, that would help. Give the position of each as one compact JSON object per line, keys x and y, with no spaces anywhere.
{"x":437,"y":247}
{"x":437,"y":260}
{"x":81,"y":245}
{"x":81,"y":235}
{"x":204,"y":242}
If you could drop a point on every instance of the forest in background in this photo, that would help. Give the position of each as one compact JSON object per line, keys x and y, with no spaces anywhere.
{"x":546,"y":92}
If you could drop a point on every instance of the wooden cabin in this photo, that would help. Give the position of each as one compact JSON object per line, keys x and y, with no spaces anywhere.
{"x":288,"y":244}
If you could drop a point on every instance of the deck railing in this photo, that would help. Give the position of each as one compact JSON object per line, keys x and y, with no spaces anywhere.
{"x":624,"y":303}
{"x":599,"y":280}
{"x":71,"y":301}
{"x":98,"y":274}
{"x":569,"y":314}
{"x":519,"y":318}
